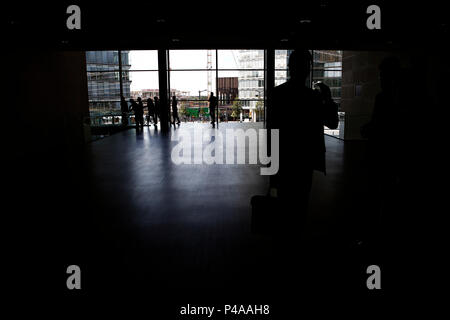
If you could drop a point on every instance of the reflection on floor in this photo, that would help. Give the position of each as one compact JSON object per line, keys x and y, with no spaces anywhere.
{"x":132,"y":219}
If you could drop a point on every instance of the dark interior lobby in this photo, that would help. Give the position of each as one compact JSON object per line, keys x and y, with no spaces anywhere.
{"x":138,"y":224}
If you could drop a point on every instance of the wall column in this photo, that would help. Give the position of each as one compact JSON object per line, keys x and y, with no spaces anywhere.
{"x":163,"y":92}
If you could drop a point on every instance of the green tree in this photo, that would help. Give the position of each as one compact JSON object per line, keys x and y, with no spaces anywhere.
{"x":236,"y":109}
{"x":183,"y":111}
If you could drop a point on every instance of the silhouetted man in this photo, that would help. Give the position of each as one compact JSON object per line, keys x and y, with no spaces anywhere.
{"x":157,"y":110}
{"x":124,"y":110}
{"x":212,"y":108}
{"x":138,"y":109}
{"x":175,"y":110}
{"x":302,"y":146}
{"x":151,"y":111}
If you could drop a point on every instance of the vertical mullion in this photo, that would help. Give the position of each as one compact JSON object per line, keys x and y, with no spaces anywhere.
{"x":270,"y":84}
{"x":312,"y":70}
{"x":168,"y":82}
{"x":217,"y":89}
{"x":162,"y":75}
{"x":120,"y":74}
{"x":265,"y":86}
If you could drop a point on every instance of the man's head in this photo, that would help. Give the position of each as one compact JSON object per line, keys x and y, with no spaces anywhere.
{"x":299,"y":65}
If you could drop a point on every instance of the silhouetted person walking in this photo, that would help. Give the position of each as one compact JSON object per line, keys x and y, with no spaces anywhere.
{"x":151,"y":112}
{"x":212,"y":108}
{"x":138,"y":109}
{"x":302,"y":146}
{"x":175,"y":110}
{"x":140,"y":112}
{"x":157,"y":110}
{"x":124,"y":110}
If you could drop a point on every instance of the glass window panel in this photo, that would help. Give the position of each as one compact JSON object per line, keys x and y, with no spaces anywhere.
{"x":281,"y":59}
{"x":228,"y":59}
{"x":249,"y":59}
{"x":103,"y":81}
{"x":141,"y":60}
{"x":328,"y":68}
{"x":192,"y":59}
{"x":250,"y":83}
{"x":142,"y":84}
{"x":101,"y":60}
{"x":103,"y":106}
{"x":103,"y":91}
{"x":280,"y":77}
{"x":193,"y":83}
{"x":193,"y":110}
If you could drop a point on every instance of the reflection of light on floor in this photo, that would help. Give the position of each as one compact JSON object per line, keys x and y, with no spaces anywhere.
{"x":339,"y":132}
{"x":332,"y":132}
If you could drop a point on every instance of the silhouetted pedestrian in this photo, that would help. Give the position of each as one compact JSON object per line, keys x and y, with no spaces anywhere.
{"x":212,"y":108}
{"x":175,"y":110}
{"x":124,"y":110}
{"x":138,"y":109}
{"x":302,"y":146}
{"x":157,"y":109}
{"x":151,"y":111}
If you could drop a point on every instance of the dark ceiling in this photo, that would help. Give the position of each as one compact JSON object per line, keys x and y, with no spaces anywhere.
{"x":226,"y":24}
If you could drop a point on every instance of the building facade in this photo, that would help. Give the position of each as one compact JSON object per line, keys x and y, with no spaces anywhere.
{"x":152,"y":93}
{"x":104,"y":80}
{"x":327,"y":67}
{"x":251,"y":79}
{"x":227,"y":89}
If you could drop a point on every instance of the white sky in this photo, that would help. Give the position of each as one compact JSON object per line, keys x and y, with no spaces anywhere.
{"x":191,"y":81}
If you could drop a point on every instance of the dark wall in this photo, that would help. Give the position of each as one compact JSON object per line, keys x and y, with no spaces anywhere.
{"x":359,"y":88}
{"x":426,"y":71}
{"x":47,"y":100}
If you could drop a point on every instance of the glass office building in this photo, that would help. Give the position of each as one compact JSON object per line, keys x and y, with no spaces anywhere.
{"x":103,"y":75}
{"x":251,"y":81}
{"x":327,"y":67}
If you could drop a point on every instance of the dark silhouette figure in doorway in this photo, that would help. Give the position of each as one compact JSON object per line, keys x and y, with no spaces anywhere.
{"x":124,"y":111}
{"x":302,"y":146}
{"x":175,"y":110}
{"x":138,"y":109}
{"x":151,"y":112}
{"x":157,"y":111}
{"x":212,"y":108}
